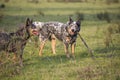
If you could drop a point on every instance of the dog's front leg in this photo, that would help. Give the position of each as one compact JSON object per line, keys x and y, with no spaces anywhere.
{"x":15,"y":57}
{"x":66,"y":46}
{"x":53,"y":44}
{"x":21,"y":60}
{"x":20,"y":57}
{"x":41,"y":48}
{"x":73,"y":49}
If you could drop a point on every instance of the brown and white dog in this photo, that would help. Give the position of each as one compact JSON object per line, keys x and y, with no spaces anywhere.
{"x":67,"y":33}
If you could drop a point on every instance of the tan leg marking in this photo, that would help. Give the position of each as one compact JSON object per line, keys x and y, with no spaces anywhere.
{"x":53,"y":44}
{"x":73,"y":49}
{"x":41,"y":48}
{"x":66,"y":50}
{"x":15,"y":57}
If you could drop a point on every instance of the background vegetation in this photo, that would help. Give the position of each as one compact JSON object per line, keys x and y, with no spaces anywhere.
{"x":100,"y":28}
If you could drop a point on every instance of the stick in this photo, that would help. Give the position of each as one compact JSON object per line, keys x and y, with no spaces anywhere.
{"x":90,"y":51}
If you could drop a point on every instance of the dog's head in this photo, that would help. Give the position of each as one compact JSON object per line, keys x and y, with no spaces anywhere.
{"x":31,"y":27}
{"x":73,"y":26}
{"x":38,"y":24}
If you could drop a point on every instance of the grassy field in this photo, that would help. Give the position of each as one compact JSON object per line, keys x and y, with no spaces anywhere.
{"x":102,"y":36}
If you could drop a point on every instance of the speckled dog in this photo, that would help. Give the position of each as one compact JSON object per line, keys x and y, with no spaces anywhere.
{"x":67,"y":33}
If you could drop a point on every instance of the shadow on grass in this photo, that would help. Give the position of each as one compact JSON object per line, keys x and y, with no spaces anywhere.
{"x":107,"y":52}
{"x":106,"y":49}
{"x":9,"y":70}
{"x":45,"y":61}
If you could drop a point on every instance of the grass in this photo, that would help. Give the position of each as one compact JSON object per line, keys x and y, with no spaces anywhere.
{"x":105,"y":65}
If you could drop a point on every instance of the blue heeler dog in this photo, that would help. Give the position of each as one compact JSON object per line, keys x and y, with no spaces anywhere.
{"x":67,"y":33}
{"x":15,"y":42}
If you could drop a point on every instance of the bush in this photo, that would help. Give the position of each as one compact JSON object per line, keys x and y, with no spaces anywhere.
{"x":2,"y":5}
{"x":41,"y":13}
{"x":33,"y":1}
{"x":118,"y":16}
{"x":117,"y":27}
{"x":111,"y":29}
{"x":6,"y":0}
{"x":80,"y":15}
{"x":69,"y":0}
{"x":112,"y":1}
{"x":104,"y":16}
{"x":1,"y":15}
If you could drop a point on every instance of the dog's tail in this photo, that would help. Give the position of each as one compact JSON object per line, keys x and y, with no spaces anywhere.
{"x":50,"y":38}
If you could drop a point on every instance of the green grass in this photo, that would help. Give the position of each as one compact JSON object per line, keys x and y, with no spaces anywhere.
{"x":105,"y":65}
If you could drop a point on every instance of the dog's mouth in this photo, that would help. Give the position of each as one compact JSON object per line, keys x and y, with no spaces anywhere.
{"x":72,"y":32}
{"x":35,"y":32}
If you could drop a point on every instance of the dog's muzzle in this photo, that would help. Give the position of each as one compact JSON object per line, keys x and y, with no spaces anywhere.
{"x":73,"y":30}
{"x":35,"y":32}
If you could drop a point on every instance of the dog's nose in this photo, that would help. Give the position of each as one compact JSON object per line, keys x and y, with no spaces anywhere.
{"x":73,"y":30}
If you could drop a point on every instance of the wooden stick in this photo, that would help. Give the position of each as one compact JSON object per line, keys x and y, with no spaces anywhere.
{"x":91,"y":52}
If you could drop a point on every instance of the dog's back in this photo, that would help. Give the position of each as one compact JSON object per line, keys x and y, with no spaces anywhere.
{"x":49,"y":28}
{"x":4,"y":40}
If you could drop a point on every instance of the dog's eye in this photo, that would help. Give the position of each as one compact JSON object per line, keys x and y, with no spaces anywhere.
{"x":33,"y":26}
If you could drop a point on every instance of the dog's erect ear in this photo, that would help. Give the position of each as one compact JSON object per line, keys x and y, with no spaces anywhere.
{"x":28,"y":22}
{"x":31,"y":21}
{"x":70,"y":20}
{"x":78,"y":22}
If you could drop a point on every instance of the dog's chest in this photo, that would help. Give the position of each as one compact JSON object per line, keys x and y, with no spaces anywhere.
{"x":16,"y":43}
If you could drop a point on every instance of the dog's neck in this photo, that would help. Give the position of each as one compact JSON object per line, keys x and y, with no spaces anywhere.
{"x":21,"y":34}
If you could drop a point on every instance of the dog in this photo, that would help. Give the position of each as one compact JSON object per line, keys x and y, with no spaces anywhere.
{"x":67,"y":33}
{"x":15,"y":41}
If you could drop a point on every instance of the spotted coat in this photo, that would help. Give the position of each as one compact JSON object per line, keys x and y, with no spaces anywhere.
{"x":60,"y":30}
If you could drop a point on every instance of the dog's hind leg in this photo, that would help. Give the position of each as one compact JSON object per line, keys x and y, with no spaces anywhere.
{"x":15,"y":58}
{"x":7,"y":55}
{"x":21,"y":60}
{"x":53,"y":40}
